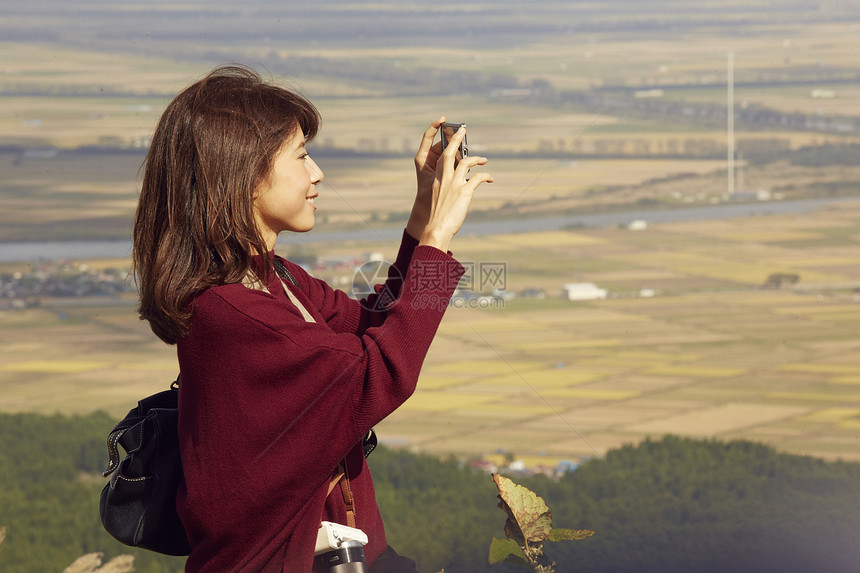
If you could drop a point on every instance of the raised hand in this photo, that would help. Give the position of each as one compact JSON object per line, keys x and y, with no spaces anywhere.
{"x":451,"y":194}
{"x":425,"y":169}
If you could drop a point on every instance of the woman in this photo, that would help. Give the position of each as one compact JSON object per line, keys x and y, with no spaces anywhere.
{"x":281,"y":376}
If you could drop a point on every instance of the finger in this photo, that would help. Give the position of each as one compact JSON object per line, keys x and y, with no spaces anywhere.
{"x":478,"y":178}
{"x":468,"y":163}
{"x":430,"y":135}
{"x":471,"y":161}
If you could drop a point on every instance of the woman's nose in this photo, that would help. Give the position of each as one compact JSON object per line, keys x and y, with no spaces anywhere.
{"x":316,"y":173}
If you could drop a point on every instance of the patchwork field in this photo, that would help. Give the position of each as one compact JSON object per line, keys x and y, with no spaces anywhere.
{"x":711,"y":354}
{"x":576,"y":382}
{"x":707,"y":353}
{"x":546,"y":156}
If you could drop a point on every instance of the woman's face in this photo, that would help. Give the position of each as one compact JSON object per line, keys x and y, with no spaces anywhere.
{"x":285,"y":199}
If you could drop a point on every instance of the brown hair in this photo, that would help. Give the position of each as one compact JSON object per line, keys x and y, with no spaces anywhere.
{"x":195,"y":227}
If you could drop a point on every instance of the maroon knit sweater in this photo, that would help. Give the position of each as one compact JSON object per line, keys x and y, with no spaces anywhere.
{"x":269,"y":404}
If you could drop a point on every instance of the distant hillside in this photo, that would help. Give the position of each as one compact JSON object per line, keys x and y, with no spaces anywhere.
{"x":189,"y":29}
{"x":674,"y":505}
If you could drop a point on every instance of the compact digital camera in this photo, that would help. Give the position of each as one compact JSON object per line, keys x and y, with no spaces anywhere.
{"x":339,"y":549}
{"x":447,"y":131}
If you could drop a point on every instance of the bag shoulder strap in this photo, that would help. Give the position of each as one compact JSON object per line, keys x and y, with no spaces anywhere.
{"x":284,"y":272}
{"x":341,"y":478}
{"x":298,"y":304}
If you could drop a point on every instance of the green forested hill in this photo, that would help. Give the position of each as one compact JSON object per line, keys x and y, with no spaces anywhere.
{"x":50,"y":480}
{"x":673,"y":505}
{"x":679,"y":505}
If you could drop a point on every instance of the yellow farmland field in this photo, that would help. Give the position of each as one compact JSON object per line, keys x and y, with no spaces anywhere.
{"x":852,"y":424}
{"x":819,"y":368}
{"x":764,"y":235}
{"x":836,"y":317}
{"x":832,"y":414}
{"x":54,"y":366}
{"x":543,"y":378}
{"x":814,"y":396}
{"x":592,"y":313}
{"x":647,"y":356}
{"x":487,"y":367}
{"x":817,"y":309}
{"x":536,"y":180}
{"x":842,"y":104}
{"x":560,"y":377}
{"x":515,"y":410}
{"x":820,"y":261}
{"x":845,"y":380}
{"x":568,"y":344}
{"x":752,"y":273}
{"x":764,"y":300}
{"x":546,"y":239}
{"x":729,"y":228}
{"x":169,"y":366}
{"x":603,"y":415}
{"x":442,"y":401}
{"x":620,"y":364}
{"x":719,"y":419}
{"x":67,"y":126}
{"x":30,"y":64}
{"x":590,"y":393}
{"x":431,"y":382}
{"x":756,"y":274}
{"x":504,"y":325}
{"x":508,"y":379}
{"x":455,"y":326}
{"x":695,"y":371}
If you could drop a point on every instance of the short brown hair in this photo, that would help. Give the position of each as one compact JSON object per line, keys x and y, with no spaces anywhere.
{"x":194,"y":227}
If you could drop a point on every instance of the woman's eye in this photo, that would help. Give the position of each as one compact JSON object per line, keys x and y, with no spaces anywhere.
{"x":304,"y":156}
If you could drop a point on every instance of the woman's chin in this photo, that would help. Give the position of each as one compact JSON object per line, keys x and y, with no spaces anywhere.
{"x":302,"y":228}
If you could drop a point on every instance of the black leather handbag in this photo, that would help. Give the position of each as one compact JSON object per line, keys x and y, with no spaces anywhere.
{"x":138,"y":505}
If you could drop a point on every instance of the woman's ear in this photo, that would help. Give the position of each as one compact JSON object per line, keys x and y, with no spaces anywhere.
{"x":261,"y":185}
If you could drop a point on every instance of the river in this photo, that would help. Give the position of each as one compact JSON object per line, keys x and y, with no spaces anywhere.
{"x":80,"y":250}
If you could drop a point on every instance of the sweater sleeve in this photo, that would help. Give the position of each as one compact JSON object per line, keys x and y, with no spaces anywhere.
{"x":346,"y":315}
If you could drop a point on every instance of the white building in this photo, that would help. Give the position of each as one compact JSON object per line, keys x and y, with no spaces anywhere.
{"x":756,"y":195}
{"x":583,"y":291}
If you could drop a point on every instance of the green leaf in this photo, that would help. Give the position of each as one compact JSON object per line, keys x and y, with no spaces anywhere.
{"x":560,"y":534}
{"x":526,"y":508}
{"x":508,"y":550}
